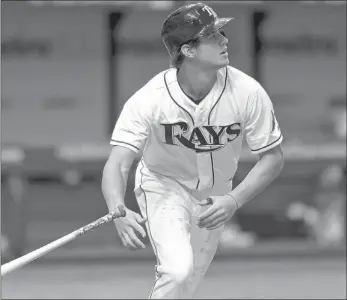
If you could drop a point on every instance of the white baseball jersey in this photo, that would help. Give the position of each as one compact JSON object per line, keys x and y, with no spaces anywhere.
{"x":197,"y":145}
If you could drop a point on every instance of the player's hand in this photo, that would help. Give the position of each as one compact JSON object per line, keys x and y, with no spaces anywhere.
{"x":130,"y":228}
{"x":220,"y":211}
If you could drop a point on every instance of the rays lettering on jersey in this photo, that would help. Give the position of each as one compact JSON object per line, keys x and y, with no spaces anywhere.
{"x":205,"y":138}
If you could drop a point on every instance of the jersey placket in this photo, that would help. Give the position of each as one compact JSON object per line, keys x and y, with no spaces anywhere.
{"x":203,"y":159}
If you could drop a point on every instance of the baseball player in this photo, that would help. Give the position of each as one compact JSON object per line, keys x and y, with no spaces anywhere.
{"x":188,"y":123}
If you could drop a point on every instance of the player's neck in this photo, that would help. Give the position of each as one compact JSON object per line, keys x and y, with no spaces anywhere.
{"x":194,"y":82}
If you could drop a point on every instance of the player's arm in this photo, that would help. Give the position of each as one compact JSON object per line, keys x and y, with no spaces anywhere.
{"x":115,"y":175}
{"x":265,"y":171}
{"x":128,"y":137}
{"x":264,"y":137}
{"x":114,"y":182}
{"x":268,"y":167}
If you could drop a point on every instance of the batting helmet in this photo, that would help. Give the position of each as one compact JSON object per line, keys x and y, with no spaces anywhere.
{"x":188,"y":23}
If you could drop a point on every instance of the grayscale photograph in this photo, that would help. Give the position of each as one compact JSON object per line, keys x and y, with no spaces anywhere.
{"x":173,"y":149}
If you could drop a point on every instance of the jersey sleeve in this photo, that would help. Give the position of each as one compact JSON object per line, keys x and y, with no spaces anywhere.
{"x":262,"y":130}
{"x":132,"y":127}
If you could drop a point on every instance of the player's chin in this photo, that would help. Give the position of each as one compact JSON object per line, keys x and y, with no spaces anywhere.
{"x":223,"y":60}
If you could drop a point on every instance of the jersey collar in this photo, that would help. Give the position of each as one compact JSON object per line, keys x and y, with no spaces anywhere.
{"x":182,"y":100}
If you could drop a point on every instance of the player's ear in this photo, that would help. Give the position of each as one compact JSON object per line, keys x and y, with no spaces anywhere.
{"x":188,"y":51}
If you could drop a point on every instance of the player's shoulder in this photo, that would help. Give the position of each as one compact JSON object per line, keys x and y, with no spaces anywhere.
{"x":241,"y":80}
{"x":157,"y":82}
{"x":151,"y":91}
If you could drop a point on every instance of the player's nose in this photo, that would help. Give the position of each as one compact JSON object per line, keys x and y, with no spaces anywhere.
{"x":223,"y":40}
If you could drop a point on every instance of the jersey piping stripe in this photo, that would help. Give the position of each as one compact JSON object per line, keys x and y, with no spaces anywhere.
{"x":167,"y":87}
{"x":268,"y":145}
{"x":214,"y":105}
{"x":149,"y":230}
{"x":120,"y":142}
{"x":212,"y":166}
{"x":209,"y":119}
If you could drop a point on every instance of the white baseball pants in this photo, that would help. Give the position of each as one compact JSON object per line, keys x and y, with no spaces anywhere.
{"x":183,"y":250}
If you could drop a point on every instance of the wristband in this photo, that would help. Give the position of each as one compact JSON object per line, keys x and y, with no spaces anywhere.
{"x":234,"y":200}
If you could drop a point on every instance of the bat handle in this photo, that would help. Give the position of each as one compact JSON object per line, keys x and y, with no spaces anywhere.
{"x":110,"y":216}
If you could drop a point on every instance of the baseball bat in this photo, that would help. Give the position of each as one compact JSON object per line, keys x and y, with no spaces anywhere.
{"x":29,"y":257}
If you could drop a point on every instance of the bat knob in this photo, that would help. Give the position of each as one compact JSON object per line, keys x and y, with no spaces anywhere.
{"x":209,"y":201}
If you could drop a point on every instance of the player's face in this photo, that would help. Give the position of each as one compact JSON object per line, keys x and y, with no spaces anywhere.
{"x":212,"y":50}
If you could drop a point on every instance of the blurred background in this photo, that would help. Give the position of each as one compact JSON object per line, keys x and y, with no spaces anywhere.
{"x":67,"y":69}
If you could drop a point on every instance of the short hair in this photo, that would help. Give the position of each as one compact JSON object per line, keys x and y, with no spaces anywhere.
{"x":178,"y":57}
